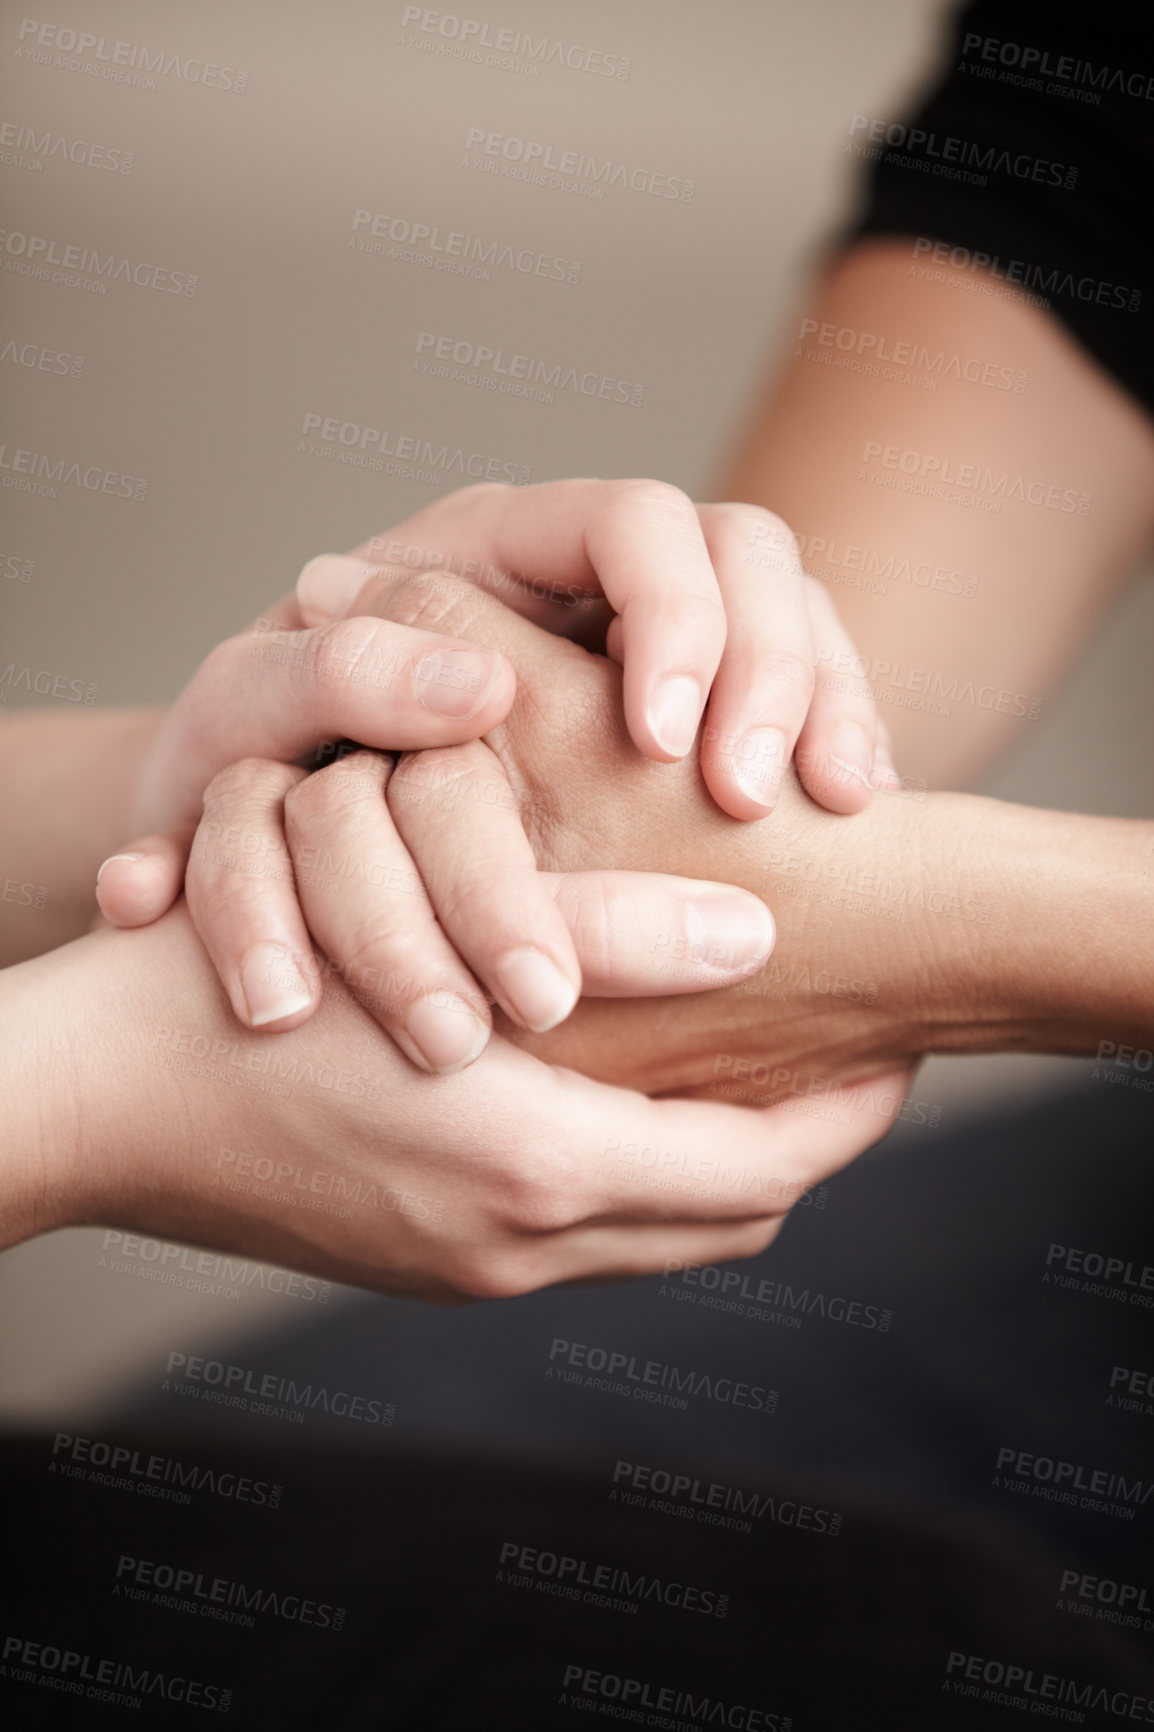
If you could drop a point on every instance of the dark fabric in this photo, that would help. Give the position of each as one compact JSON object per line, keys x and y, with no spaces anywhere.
{"x":995,"y":1342}
{"x":826,"y":1633}
{"x":1086,"y":249}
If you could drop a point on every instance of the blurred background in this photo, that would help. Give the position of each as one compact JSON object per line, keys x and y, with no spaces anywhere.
{"x":272,"y":208}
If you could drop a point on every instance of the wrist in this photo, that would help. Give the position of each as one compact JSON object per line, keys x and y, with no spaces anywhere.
{"x":42,"y":1115}
{"x":1057,"y":956}
{"x":84,"y":1128}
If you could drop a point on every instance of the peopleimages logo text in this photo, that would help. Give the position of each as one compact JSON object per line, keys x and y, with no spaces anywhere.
{"x":240,"y":1380}
{"x":120,"y":60}
{"x":216,"y":1596}
{"x":651,"y":1376}
{"x":37,"y":252}
{"x":475,"y":33}
{"x":522,"y":375}
{"x":583,"y":1684}
{"x":76,"y":1457}
{"x":569,"y":1573}
{"x":538,"y":160}
{"x":70,"y":1671}
{"x":715,"y":1502}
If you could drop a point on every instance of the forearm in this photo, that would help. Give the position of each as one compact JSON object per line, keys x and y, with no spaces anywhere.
{"x":66,"y":790}
{"x":1027,"y":930}
{"x":41,"y":1115}
{"x":951,"y":924}
{"x":899,"y":560}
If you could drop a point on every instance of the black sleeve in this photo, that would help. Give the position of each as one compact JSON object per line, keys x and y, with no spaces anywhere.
{"x":1034,"y":151}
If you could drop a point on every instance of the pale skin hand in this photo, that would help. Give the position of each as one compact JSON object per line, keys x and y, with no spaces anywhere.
{"x":684,"y":613}
{"x":419,"y":951}
{"x":275,"y":689}
{"x":74,"y":786}
{"x":126,"y":1110}
{"x":672,"y":571}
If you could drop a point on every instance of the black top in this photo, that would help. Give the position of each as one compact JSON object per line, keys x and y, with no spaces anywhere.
{"x":1035,"y":149}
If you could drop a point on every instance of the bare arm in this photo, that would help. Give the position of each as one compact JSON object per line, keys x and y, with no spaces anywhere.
{"x":855,"y":463}
{"x":67,"y":784}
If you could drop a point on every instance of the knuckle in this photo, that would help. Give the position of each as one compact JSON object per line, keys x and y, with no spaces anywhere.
{"x":760,"y":533}
{"x":492,"y":1275}
{"x":249,"y":781}
{"x":479,"y":489}
{"x":434,"y":602}
{"x":757,"y":1237}
{"x":596,"y":917}
{"x":356,"y":780}
{"x":539,"y":1199}
{"x":658,"y":498}
{"x":789,"y":668}
{"x":699,"y":619}
{"x":389,"y":946}
{"x":439,"y":766}
{"x":445,"y":773}
{"x":340,"y":651}
{"x":757,"y":520}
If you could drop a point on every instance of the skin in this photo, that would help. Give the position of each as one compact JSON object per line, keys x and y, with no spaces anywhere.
{"x":689,"y":612}
{"x":935,"y":904}
{"x":943,"y":981}
{"x":121,"y":1110}
{"x":167,"y":1119}
{"x":1043,"y":576}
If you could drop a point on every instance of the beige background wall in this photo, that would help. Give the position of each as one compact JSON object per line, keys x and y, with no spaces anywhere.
{"x":205,"y":395}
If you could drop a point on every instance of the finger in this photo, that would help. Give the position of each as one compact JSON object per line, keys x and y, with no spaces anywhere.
{"x":648,"y":935}
{"x":458,"y":816}
{"x":329,"y":583}
{"x":243,"y":901}
{"x":138,"y":886}
{"x":590,"y":1180}
{"x":519,"y":929}
{"x":770,"y":1155}
{"x":637,"y":542}
{"x":838,"y":745}
{"x":277,"y":693}
{"x":765,"y":684}
{"x":368,"y":910}
{"x":593,"y":1256}
{"x":626,"y":1159}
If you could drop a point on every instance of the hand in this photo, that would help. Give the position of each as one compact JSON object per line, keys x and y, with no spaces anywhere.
{"x":699,"y":602}
{"x":574,"y":527}
{"x":271,"y":834}
{"x":280,"y":690}
{"x":133,"y":1100}
{"x":844,"y":993}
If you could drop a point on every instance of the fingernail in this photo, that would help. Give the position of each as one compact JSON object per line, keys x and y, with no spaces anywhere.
{"x":454,"y":682}
{"x":272,"y":984}
{"x":538,"y":993}
{"x":759,"y":765}
{"x":730,"y":931}
{"x":113,"y":857}
{"x":674,"y":713}
{"x":852,"y":753}
{"x":446,"y":1033}
{"x":329,"y":584}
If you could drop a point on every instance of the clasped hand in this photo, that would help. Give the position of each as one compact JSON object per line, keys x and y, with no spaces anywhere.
{"x":500,"y":877}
